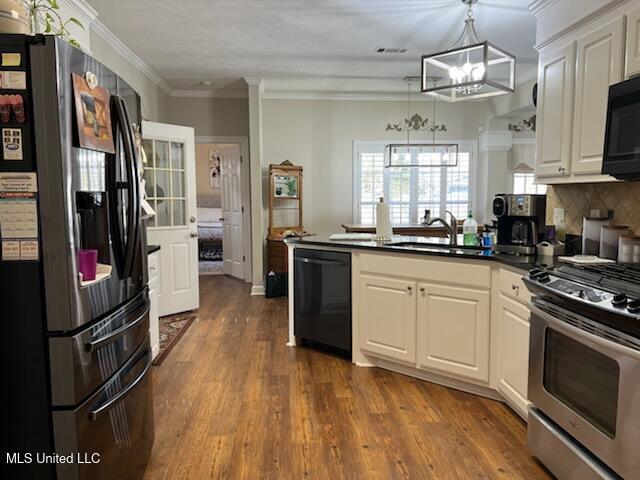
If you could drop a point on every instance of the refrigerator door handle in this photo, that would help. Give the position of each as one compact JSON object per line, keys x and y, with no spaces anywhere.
{"x":113,"y":336}
{"x":105,"y":407}
{"x":126,"y":252}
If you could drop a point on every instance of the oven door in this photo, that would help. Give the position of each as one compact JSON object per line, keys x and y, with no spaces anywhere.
{"x":588,"y":382}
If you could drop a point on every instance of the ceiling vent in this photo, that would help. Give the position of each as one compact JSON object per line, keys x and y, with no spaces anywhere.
{"x":390,"y":50}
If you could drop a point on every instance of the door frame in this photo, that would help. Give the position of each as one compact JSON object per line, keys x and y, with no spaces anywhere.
{"x":243,"y":143}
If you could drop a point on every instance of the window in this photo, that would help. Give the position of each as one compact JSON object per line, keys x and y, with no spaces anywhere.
{"x":523,"y":183}
{"x":165,"y":182}
{"x":410,"y":191}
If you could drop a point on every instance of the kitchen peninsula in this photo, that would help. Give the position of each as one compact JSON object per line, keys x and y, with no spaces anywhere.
{"x":452,"y":315}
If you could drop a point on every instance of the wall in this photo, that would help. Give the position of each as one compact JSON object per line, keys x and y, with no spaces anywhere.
{"x":319,"y":135}
{"x":578,"y":199}
{"x":211,"y":116}
{"x":155,"y":102}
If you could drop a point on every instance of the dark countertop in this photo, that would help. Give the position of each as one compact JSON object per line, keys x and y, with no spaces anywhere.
{"x":432,"y":246}
{"x":152,"y":249}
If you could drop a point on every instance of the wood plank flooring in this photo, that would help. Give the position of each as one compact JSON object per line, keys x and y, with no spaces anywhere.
{"x":233,"y":402}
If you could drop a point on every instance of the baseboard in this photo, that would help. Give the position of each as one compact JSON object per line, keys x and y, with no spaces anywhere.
{"x":155,"y":350}
{"x":257,"y":290}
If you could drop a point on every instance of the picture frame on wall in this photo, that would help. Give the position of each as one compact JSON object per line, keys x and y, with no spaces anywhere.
{"x":214,"y":168}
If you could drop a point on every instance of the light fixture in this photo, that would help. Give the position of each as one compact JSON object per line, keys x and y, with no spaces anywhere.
{"x":470,"y":68}
{"x":420,"y":154}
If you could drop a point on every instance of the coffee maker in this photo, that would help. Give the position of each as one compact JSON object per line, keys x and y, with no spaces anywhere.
{"x":521,"y":220}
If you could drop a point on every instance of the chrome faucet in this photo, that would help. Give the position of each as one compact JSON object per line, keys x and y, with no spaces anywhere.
{"x":451,"y":228}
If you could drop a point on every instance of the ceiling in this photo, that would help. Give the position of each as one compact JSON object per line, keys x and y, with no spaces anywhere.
{"x":303,"y":46}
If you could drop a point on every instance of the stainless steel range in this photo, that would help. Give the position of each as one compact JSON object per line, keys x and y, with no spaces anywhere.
{"x":584,"y":370}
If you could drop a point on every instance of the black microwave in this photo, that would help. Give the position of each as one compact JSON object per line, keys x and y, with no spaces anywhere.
{"x":621,"y":156}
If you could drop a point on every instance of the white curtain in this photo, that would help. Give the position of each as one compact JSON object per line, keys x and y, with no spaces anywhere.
{"x":522,"y":157}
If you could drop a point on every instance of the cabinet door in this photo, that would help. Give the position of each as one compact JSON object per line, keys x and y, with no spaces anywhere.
{"x":556,"y":74}
{"x":388,"y":317}
{"x":514,"y":353}
{"x":633,"y":43}
{"x":600,"y":60}
{"x":453,"y":330}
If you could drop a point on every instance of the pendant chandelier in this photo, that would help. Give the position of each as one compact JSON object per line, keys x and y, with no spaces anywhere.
{"x":470,"y":68}
{"x":420,"y":154}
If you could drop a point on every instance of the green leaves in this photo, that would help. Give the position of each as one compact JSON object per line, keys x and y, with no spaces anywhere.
{"x":44,"y":14}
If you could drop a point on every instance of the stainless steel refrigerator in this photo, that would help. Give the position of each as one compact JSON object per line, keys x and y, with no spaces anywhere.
{"x":76,"y":353}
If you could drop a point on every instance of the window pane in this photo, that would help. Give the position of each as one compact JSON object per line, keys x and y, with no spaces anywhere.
{"x":163,"y":213}
{"x":177,"y":155}
{"x":399,"y":213}
{"x":372,"y":185}
{"x":399,"y":185}
{"x":163,"y":188}
{"x":458,"y":182}
{"x":178,"y":212}
{"x":178,"y":184}
{"x":162,"y":154}
{"x":150,"y":182}
{"x":147,"y":145}
{"x":429,"y":191}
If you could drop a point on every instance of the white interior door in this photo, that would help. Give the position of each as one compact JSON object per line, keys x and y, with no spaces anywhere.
{"x":171,"y":191}
{"x":232,"y":240}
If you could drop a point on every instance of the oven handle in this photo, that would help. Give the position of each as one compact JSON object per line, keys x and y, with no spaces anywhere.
{"x":608,"y":344}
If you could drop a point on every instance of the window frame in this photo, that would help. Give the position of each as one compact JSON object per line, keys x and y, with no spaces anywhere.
{"x":377,"y":146}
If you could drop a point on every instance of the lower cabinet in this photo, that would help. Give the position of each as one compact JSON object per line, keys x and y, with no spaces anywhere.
{"x":453,"y":330}
{"x":388,"y":317}
{"x":514,"y":353}
{"x":154,"y":322}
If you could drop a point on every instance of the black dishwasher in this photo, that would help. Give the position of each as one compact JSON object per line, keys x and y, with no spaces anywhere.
{"x":322,"y":299}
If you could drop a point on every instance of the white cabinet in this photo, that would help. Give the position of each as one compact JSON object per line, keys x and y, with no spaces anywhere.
{"x":632,"y":66}
{"x":388,"y":317}
{"x":513,"y":363}
{"x":153,"y":262}
{"x":556,"y":74}
{"x":453,"y":330}
{"x":599,"y":63}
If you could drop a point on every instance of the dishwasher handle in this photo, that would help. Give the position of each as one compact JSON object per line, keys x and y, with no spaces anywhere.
{"x":317,"y":261}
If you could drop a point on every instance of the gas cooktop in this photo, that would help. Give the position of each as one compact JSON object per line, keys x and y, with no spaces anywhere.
{"x":614,"y":288}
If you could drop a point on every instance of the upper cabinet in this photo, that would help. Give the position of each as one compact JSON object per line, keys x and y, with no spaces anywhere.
{"x":556,"y":72}
{"x":600,"y":61}
{"x":633,"y":43}
{"x":577,"y":64}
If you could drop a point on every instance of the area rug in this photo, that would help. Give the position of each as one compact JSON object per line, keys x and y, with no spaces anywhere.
{"x":172,"y":328}
{"x":210,"y":268}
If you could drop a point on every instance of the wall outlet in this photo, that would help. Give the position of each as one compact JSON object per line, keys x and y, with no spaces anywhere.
{"x":594,"y":213}
{"x":558,"y":216}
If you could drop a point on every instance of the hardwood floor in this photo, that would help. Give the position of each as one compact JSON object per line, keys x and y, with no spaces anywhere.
{"x":232,"y":401}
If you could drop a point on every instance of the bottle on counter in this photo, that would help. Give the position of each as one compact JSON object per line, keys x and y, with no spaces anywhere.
{"x":470,"y":230}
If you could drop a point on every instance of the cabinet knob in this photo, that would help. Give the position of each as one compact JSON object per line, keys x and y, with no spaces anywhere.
{"x":409,"y":288}
{"x":562,"y":170}
{"x":422,"y":289}
{"x":515,"y":287}
{"x":193,"y":234}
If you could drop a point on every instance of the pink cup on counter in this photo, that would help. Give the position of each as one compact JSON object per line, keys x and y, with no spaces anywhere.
{"x":88,"y":264}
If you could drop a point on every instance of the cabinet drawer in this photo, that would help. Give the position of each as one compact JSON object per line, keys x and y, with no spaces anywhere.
{"x":472,"y":274}
{"x":512,"y":285}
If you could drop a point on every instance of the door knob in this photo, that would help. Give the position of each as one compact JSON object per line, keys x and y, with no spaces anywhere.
{"x":193,"y":234}
{"x":192,"y":219}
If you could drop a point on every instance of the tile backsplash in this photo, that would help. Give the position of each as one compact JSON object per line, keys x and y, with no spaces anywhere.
{"x":579,"y":199}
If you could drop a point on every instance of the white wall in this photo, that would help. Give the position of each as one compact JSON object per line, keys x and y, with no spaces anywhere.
{"x":211,"y":116}
{"x":319,"y":135}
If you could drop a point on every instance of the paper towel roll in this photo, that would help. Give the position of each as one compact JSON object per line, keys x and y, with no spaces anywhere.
{"x":383,"y":221}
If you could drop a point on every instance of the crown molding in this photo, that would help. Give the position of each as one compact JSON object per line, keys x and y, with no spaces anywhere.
{"x":363,"y":96}
{"x":110,"y":38}
{"x":612,"y":5}
{"x":87,"y":13}
{"x":208,"y":94}
{"x":539,"y":6}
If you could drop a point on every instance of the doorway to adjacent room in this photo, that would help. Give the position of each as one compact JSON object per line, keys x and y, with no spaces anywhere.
{"x":223,"y":206}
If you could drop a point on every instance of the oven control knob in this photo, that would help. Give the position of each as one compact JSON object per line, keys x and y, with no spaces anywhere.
{"x":620,"y":300}
{"x":534,"y":273}
{"x":543,"y":277}
{"x":634,"y":306}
